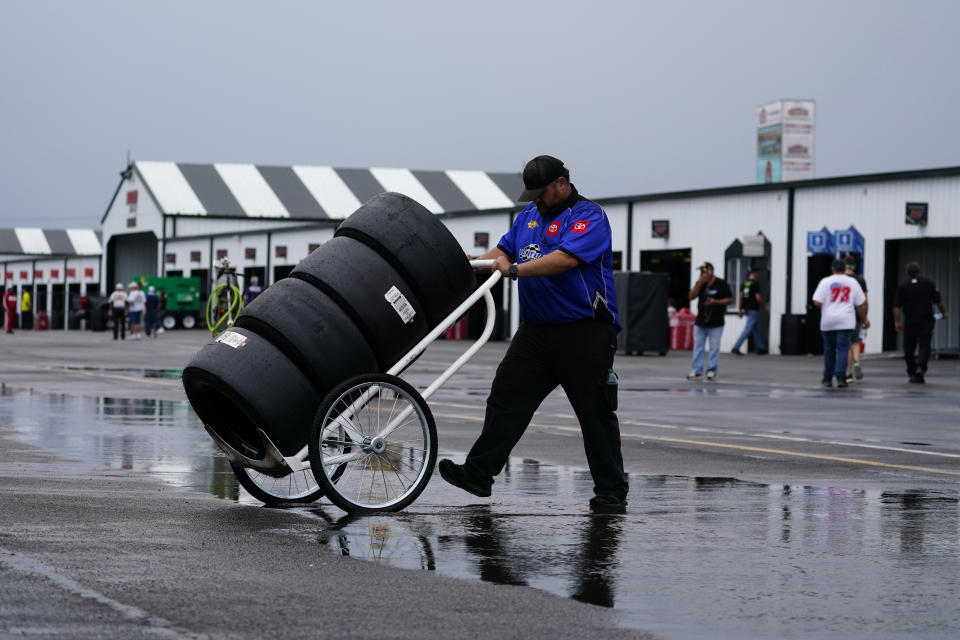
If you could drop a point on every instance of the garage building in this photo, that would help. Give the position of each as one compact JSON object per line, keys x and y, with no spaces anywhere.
{"x":58,"y":267}
{"x":178,"y":219}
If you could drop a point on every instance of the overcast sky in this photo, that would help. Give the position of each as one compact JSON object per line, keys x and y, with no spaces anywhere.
{"x":636,"y":97}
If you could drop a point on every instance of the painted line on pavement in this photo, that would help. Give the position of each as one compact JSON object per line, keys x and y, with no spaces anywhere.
{"x":155,"y":624}
{"x":724,"y":432}
{"x":739,"y":447}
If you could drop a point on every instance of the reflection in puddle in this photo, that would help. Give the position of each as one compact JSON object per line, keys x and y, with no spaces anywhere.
{"x":166,"y":374}
{"x":693,"y":558}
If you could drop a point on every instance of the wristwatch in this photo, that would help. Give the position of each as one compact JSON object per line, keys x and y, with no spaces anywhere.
{"x":512,"y":271}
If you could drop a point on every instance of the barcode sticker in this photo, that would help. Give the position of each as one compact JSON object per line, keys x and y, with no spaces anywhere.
{"x":232,"y":339}
{"x":400,"y":304}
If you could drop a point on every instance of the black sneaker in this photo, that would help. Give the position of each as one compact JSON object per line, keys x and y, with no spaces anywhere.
{"x":917,"y":378}
{"x":736,"y":352}
{"x":607,"y":504}
{"x":456,"y":475}
{"x":827,"y":382}
{"x":842,"y":383}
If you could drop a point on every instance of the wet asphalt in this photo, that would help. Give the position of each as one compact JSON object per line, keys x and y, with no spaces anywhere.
{"x":761,"y":506}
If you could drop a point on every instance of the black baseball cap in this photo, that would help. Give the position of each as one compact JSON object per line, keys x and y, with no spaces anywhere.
{"x":538,"y":174}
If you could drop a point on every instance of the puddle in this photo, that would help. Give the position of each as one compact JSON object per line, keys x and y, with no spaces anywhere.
{"x":166,"y":374}
{"x":693,"y":558}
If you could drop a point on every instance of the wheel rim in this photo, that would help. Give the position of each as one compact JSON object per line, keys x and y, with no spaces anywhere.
{"x":169,"y":322}
{"x":390,"y":468}
{"x":189,"y":322}
{"x":298,"y":485}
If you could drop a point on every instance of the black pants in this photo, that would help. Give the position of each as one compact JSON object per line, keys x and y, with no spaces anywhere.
{"x":917,"y":334}
{"x":119,"y":324}
{"x":575,"y":356}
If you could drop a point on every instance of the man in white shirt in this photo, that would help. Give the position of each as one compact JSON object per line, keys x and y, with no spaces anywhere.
{"x":840,"y":300}
{"x":136,"y":299}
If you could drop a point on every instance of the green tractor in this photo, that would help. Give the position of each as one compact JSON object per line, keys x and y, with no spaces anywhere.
{"x":181,"y":301}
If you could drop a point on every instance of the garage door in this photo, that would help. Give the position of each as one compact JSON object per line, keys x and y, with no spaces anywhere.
{"x":131,"y":256}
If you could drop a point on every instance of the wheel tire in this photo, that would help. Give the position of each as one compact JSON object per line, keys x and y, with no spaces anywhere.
{"x":298,"y":487}
{"x":357,"y":278}
{"x":188,"y":321}
{"x":419,"y":246}
{"x":355,"y":485}
{"x":236,"y":390}
{"x":169,"y":322}
{"x":312,"y":330}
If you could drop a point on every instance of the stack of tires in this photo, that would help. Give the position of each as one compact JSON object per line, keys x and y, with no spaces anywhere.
{"x":355,"y":305}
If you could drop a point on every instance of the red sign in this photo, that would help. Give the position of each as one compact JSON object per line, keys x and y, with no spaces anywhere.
{"x":71,"y":273}
{"x":221,"y":254}
{"x":24,"y":275}
{"x":281,"y":251}
{"x":194,"y":256}
{"x":580,"y":226}
{"x":553,"y":229}
{"x":250,"y":253}
{"x":171,"y":258}
{"x":38,"y":273}
{"x":54,"y":273}
{"x":88,"y":272}
{"x":132,"y":197}
{"x":313,"y":246}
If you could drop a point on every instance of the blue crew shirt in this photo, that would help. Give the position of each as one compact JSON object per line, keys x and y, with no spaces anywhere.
{"x":581,"y":230}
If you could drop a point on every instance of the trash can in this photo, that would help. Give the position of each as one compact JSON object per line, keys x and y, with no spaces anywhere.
{"x":793,"y":334}
{"x":681,"y":330}
{"x":43,"y":321}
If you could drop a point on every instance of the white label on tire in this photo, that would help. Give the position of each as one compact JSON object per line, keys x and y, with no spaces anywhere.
{"x":232,"y":339}
{"x":400,"y":304}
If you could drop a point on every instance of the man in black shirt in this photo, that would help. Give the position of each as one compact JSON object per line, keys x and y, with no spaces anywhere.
{"x":751,"y":303}
{"x":913,"y":299}
{"x":713,"y":295}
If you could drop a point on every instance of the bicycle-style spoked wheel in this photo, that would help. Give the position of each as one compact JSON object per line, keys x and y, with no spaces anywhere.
{"x":373,"y":444}
{"x":297,"y":487}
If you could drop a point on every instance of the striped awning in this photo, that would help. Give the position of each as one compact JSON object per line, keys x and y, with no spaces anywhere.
{"x":300,"y":191}
{"x":50,"y":242}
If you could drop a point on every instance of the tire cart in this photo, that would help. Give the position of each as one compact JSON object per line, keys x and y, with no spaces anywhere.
{"x":373,"y":443}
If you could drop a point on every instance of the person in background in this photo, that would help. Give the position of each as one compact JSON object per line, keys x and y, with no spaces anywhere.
{"x":26,"y":310}
{"x":840,"y":300}
{"x":151,"y":312}
{"x":753,"y":304}
{"x":914,"y":299}
{"x":10,"y":307}
{"x":713,"y":294}
{"x":118,"y":311}
{"x":853,"y":360}
{"x":136,"y":300}
{"x":253,"y":290}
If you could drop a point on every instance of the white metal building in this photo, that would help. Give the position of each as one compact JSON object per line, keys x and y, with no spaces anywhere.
{"x":177,"y":219}
{"x":57,"y":267}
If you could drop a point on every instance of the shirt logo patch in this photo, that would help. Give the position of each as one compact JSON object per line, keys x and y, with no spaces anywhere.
{"x":533,"y":224}
{"x":553,"y":229}
{"x":580,"y":226}
{"x":530,"y":252}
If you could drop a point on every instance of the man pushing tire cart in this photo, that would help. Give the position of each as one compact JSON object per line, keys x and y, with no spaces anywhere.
{"x":303,"y":396}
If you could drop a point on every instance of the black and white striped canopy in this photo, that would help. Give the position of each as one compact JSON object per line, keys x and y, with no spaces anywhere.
{"x":50,"y":242}
{"x":248,"y":190}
